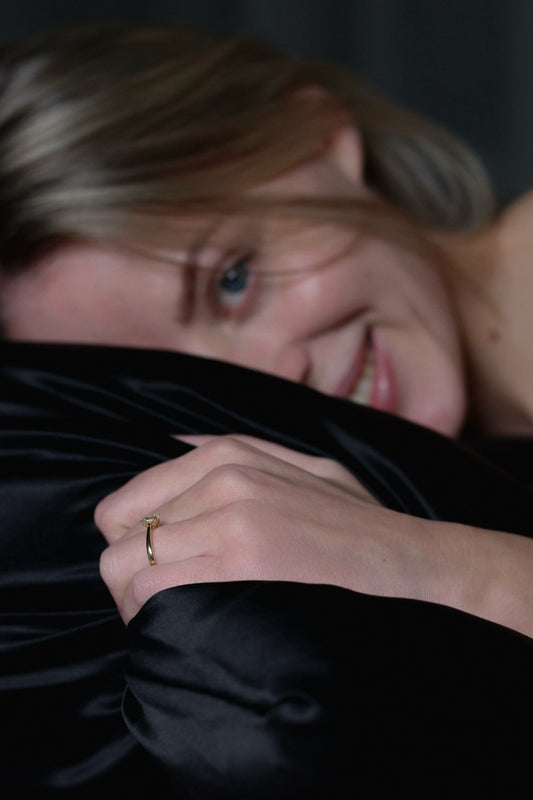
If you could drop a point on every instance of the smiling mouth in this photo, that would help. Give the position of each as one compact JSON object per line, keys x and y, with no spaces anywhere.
{"x":362,"y":391}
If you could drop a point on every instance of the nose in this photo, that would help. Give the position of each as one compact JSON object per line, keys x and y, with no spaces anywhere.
{"x":292,"y":362}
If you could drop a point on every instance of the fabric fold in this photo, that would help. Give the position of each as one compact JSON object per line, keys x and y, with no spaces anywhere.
{"x":235,"y":690}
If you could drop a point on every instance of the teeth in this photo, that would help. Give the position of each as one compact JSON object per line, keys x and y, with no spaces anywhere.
{"x":363,"y":389}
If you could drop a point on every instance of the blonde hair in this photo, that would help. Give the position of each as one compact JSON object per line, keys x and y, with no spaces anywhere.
{"x":110,"y":130}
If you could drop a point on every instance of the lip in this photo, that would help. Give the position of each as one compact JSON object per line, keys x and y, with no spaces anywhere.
{"x":384,"y":392}
{"x":348,"y":383}
{"x":383,"y":395}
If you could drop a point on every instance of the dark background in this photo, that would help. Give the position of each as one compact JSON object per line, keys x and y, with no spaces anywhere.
{"x":467,"y":63}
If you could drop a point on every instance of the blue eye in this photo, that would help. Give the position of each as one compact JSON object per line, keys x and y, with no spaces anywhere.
{"x":235,"y":279}
{"x":233,"y":285}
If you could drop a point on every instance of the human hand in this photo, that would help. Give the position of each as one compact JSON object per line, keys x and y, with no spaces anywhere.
{"x":240,"y":508}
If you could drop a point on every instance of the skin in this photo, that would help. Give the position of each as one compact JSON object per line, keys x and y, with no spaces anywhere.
{"x":495,"y":318}
{"x":310,"y":324}
{"x":240,"y":508}
{"x":233,"y":508}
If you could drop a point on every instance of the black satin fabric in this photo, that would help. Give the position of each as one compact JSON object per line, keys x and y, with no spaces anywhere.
{"x":239,"y":690}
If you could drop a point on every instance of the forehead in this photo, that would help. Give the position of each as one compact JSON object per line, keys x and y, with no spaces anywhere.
{"x":258,"y":217}
{"x":184,"y":238}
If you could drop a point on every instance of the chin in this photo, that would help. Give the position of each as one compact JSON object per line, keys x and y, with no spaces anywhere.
{"x":448,"y":422}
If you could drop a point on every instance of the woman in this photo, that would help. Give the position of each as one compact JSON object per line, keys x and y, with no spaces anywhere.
{"x":163,"y":189}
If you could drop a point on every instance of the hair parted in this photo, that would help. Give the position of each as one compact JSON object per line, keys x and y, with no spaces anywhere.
{"x":109,"y":131}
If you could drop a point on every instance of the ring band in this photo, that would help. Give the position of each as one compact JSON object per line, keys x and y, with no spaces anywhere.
{"x":151,"y":521}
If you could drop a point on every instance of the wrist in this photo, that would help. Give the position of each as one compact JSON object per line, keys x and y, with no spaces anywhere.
{"x":482,"y":572}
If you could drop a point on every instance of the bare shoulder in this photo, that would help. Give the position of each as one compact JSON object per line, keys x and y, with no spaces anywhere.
{"x":517,"y":219}
{"x":514,"y":237}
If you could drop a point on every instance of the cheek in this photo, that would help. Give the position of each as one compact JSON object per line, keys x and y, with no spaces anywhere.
{"x":27,"y":312}
{"x":71,"y":305}
{"x":411,"y":285}
{"x":35,"y":310}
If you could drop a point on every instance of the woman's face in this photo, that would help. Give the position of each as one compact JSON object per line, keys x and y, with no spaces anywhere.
{"x":363,"y":319}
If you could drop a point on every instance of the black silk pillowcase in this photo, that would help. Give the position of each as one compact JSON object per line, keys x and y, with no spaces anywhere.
{"x":249,"y":689}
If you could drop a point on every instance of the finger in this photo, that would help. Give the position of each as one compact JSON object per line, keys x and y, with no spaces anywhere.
{"x":170,"y":544}
{"x":287,"y":454}
{"x":151,"y":490}
{"x":147,"y":492}
{"x":148,"y":582}
{"x":234,"y":537}
{"x":322,"y":467}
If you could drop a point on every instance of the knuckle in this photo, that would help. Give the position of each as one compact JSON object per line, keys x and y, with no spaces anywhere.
{"x":333,"y":471}
{"x":106,"y":519}
{"x":226,"y":447}
{"x":109,"y":565}
{"x":232,"y":480}
{"x":102,"y":515}
{"x":328,"y":466}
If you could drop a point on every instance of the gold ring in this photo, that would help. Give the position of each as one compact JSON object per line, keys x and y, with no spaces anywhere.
{"x":151,"y":521}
